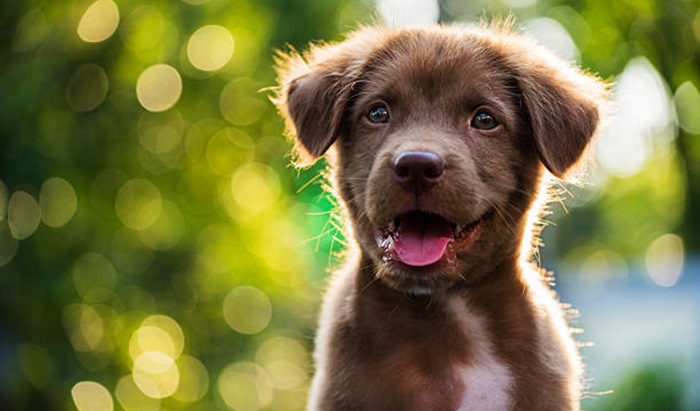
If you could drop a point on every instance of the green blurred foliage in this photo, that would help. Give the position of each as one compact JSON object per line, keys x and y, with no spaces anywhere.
{"x":139,"y":246}
{"x":653,"y":388}
{"x":189,"y":212}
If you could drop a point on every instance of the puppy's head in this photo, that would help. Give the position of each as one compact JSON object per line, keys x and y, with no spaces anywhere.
{"x":441,"y":138}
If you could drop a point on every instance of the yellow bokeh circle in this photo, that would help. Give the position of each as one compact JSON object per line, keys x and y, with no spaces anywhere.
{"x":91,"y":396}
{"x":194,"y":380}
{"x":23,"y":215}
{"x":138,"y":204}
{"x":664,"y":260}
{"x":247,"y":310}
{"x":255,"y":187}
{"x":210,"y":48}
{"x":87,"y":88}
{"x":156,"y":374}
{"x":159,"y":88}
{"x":132,"y":399}
{"x":286,"y":361}
{"x":99,"y":21}
{"x":157,"y":333}
{"x":245,"y":386}
{"x":58,"y":202}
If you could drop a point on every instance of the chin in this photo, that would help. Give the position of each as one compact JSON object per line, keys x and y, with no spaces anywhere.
{"x":426,"y":280}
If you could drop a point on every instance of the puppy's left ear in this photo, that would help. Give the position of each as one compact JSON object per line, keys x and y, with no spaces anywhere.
{"x":566,"y":106}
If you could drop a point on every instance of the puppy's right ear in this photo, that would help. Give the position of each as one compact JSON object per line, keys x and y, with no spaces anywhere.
{"x":314,"y":92}
{"x":316,"y":104}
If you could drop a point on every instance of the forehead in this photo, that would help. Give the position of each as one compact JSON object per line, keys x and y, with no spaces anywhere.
{"x":437,"y":66}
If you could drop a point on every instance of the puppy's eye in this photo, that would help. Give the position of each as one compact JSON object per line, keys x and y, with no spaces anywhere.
{"x":378,"y":115}
{"x":484,"y":121}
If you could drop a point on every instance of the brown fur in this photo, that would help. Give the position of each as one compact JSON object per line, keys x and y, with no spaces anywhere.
{"x":397,"y":337}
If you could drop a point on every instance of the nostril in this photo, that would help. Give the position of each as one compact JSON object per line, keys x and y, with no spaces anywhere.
{"x":402,"y":171}
{"x":418,"y":169}
{"x":434,"y":170}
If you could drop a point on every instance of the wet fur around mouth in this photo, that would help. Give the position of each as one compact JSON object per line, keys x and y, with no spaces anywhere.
{"x":438,"y":305}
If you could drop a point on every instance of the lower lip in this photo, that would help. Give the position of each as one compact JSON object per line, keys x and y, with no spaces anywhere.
{"x":468,"y":237}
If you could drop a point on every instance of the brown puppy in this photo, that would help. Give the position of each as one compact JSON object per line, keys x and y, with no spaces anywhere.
{"x":439,"y":139}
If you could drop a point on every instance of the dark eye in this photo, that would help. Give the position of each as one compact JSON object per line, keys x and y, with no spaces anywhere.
{"x":378,"y":115}
{"x":484,"y":121}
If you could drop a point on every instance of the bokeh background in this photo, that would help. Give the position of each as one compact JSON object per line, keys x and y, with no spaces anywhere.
{"x":158,"y":253}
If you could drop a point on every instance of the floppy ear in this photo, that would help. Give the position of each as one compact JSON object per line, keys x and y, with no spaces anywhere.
{"x":315,"y":89}
{"x":316,"y":104}
{"x":565,"y":105}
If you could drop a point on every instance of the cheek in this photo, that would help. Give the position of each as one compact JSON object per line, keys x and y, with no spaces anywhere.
{"x":356,"y":155}
{"x":497,"y":162}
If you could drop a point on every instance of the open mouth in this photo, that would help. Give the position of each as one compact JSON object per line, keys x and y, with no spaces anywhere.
{"x":420,"y":239}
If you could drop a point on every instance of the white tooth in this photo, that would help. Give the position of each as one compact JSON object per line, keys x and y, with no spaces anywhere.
{"x":392,"y":226}
{"x":459,"y":229}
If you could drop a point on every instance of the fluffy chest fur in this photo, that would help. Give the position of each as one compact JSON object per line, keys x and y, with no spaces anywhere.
{"x":487,"y":381}
{"x":381,"y":350}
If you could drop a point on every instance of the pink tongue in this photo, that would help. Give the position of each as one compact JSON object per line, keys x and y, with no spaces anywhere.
{"x":422,"y":239}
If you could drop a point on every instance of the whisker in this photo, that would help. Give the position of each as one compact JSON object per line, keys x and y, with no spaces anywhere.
{"x":398,"y":304}
{"x":312,"y":180}
{"x":374,"y":280}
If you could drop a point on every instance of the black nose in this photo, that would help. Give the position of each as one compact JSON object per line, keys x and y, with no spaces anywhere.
{"x":418,"y":171}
